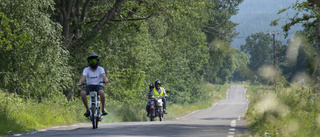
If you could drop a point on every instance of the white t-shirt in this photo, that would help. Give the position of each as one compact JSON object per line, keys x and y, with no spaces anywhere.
{"x":93,"y":78}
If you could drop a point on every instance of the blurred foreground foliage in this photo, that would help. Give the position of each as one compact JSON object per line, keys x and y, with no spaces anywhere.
{"x":289,"y":112}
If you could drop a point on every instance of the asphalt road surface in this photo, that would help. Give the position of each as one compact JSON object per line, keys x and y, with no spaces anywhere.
{"x":224,"y":119}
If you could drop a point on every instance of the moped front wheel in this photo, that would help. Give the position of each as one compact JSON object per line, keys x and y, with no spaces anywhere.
{"x":93,"y":118}
{"x":160,"y":115}
{"x":94,"y":122}
{"x":151,"y":115}
{"x":97,"y":121}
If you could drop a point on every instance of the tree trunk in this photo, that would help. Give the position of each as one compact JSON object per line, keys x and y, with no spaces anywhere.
{"x":107,"y":17}
{"x":316,"y":72}
{"x":84,"y":10}
{"x":66,"y":11}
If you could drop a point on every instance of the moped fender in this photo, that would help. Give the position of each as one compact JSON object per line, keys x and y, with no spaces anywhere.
{"x":152,"y":106}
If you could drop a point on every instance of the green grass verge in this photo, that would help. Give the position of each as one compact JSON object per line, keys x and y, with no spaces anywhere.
{"x":18,"y":115}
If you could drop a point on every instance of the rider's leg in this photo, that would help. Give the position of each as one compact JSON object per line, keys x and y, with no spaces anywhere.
{"x":83,"y":95}
{"x":164,"y":104}
{"x":102,"y":99}
{"x":156,"y":103}
{"x":148,"y":108}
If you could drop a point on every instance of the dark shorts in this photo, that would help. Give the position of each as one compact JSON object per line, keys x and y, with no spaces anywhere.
{"x":93,"y":88}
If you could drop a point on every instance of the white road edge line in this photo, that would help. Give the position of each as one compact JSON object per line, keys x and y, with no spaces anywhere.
{"x":197,"y":111}
{"x":188,"y":114}
{"x":244,"y":94}
{"x":227,"y":94}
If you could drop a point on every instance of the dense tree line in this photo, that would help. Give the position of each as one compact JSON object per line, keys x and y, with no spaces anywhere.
{"x":44,"y":45}
{"x":33,"y":63}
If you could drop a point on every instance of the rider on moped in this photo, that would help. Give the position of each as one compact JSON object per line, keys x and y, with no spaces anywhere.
{"x":149,"y":96}
{"x":159,"y":91}
{"x":93,"y":75}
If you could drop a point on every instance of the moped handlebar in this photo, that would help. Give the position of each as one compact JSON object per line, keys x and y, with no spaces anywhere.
{"x":84,"y":83}
{"x":163,"y":96}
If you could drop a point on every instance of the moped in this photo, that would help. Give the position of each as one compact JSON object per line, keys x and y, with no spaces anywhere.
{"x":94,"y":104}
{"x":156,"y":108}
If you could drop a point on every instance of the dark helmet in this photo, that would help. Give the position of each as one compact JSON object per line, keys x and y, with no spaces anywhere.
{"x":157,"y":82}
{"x":93,"y":60}
{"x":151,"y":86}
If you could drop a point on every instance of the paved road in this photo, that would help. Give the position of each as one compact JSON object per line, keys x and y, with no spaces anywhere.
{"x":224,"y":119}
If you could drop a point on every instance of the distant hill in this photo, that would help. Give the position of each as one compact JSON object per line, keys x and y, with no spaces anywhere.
{"x":256,"y":15}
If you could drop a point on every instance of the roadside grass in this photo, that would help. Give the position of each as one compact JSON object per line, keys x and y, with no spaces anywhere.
{"x":18,"y":115}
{"x":288,"y":112}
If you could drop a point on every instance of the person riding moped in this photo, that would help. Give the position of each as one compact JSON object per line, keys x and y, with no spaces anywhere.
{"x":149,"y":96}
{"x":160,"y":91}
{"x":93,"y":75}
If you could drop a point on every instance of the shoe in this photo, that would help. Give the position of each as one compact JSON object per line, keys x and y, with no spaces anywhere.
{"x":164,"y":112}
{"x":104,"y":112}
{"x":87,"y":114}
{"x":148,"y":115}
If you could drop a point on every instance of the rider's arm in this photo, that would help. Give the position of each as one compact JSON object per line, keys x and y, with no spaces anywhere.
{"x":82,"y":79}
{"x":152,"y":94}
{"x":105,"y":79}
{"x":164,"y":92}
{"x":148,"y":94}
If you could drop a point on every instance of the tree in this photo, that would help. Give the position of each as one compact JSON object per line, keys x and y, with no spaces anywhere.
{"x":242,"y":61}
{"x":33,"y":64}
{"x":219,"y":32}
{"x":258,"y":48}
{"x":308,"y":13}
{"x":221,"y":66}
{"x":219,"y":26}
{"x":299,"y":56}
